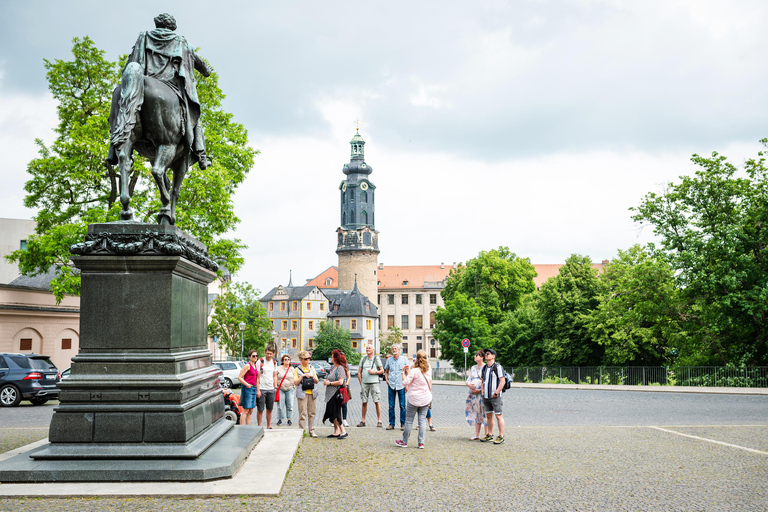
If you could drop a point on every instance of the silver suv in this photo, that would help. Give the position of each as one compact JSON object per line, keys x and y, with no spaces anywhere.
{"x":230,"y":371}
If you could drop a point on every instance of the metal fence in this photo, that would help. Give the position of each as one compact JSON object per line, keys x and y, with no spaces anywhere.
{"x":710,"y":376}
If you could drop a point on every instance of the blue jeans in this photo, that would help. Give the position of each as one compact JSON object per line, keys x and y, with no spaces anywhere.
{"x":285,"y":405}
{"x":412,"y":412}
{"x":401,"y":398}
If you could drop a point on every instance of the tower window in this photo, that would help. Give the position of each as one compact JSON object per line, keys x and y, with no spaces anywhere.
{"x":351,"y":195}
{"x":343,"y":223}
{"x":366,"y":235}
{"x":352,"y":217}
{"x":364,"y":217}
{"x":343,"y":198}
{"x":364,"y":197}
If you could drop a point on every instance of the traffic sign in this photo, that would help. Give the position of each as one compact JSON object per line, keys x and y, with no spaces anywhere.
{"x":465,"y":343}
{"x":466,"y":350}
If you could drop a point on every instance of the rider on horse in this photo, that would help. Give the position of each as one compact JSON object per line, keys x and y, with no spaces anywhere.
{"x":168,"y":57}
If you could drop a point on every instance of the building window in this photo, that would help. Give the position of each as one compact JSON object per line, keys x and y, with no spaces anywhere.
{"x":419,"y":346}
{"x":282,"y":305}
{"x":403,"y":299}
{"x":311,"y":325}
{"x":285,"y":325}
{"x":295,"y":305}
{"x":337,"y":323}
{"x":404,"y":322}
{"x":433,"y":298}
{"x":352,"y":197}
{"x":378,"y":297}
{"x":418,"y":298}
{"x":353,"y":325}
{"x":311,"y":342}
{"x":391,"y":298}
{"x":271,"y":306}
{"x":272,"y":323}
{"x":354,"y":343}
{"x":368,"y":325}
{"x":322,"y":306}
{"x":390,"y":321}
{"x":364,"y":220}
{"x":418,"y":338}
{"x":293,"y":342}
{"x":328,"y":281}
{"x":23,"y":246}
{"x":405,"y":348}
{"x":66,"y":344}
{"x":405,"y":283}
{"x":335,"y":307}
{"x":419,"y":322}
{"x":284,"y":342}
{"x":309,"y":306}
{"x":405,"y":337}
{"x":294,"y":325}
{"x":432,"y":320}
{"x":364,"y":197}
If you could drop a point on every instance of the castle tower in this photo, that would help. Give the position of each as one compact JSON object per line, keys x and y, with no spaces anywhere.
{"x":358,"y":240}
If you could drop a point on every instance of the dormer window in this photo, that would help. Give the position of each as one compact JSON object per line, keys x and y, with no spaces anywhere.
{"x":405,"y":283}
{"x":329,"y":281}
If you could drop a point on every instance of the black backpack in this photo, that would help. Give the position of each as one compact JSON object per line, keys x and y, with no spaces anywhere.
{"x":507,"y":378}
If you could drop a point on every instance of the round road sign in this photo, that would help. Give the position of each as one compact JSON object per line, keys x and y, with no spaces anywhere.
{"x":465,"y":343}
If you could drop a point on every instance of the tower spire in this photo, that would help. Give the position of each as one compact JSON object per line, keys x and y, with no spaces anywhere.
{"x":290,"y":278}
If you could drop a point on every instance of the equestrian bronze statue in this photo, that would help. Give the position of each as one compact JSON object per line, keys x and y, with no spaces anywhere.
{"x":155,"y":110}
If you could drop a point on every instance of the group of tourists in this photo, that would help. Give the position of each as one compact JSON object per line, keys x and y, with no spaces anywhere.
{"x":409,"y":387}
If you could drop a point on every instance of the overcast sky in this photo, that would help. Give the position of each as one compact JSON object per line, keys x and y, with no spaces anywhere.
{"x":529,"y":124}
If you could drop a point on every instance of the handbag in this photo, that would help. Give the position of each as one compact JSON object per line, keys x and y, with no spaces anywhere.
{"x":344,"y":394}
{"x":277,"y":393}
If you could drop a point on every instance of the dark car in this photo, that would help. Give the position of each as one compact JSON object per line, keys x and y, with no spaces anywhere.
{"x":321,"y":373}
{"x":30,"y":377}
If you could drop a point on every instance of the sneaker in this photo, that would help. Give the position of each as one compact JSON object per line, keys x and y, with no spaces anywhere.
{"x":401,"y":444}
{"x":488,"y":437}
{"x":499,"y":440}
{"x":475,"y":438}
{"x":345,"y":423}
{"x":421,"y":446}
{"x":391,"y":427}
{"x":279,"y":422}
{"x":289,"y":423}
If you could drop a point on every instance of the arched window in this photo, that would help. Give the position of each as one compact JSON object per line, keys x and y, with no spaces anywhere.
{"x":343,"y":219}
{"x":351,"y":195}
{"x":343,"y":198}
{"x":328,"y":281}
{"x":364,"y":217}
{"x":352,"y":217}
{"x":364,"y":197}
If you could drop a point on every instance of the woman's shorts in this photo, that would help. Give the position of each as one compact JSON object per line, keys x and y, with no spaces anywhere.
{"x":248,"y":397}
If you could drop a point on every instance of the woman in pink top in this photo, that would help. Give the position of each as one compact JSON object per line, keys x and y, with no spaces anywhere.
{"x":249,"y":379}
{"x":419,"y":396}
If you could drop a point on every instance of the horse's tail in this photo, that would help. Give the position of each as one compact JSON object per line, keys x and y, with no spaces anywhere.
{"x":131,"y":98}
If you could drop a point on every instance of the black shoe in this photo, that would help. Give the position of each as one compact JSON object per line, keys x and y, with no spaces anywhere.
{"x":333,"y":435}
{"x":203,"y":162}
{"x":344,"y":435}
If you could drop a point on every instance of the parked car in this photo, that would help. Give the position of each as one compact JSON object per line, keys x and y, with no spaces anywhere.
{"x":230,"y":371}
{"x":353,"y":369}
{"x":30,"y":377}
{"x":65,"y":373}
{"x":321,"y":372}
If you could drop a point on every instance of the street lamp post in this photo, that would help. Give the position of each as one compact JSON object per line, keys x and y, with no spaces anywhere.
{"x":241,"y":325}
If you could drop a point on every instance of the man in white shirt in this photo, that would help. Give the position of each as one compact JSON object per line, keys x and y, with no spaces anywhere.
{"x":266,"y":392}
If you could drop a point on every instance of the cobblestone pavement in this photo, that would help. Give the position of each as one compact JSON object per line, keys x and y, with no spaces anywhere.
{"x":581,"y":450}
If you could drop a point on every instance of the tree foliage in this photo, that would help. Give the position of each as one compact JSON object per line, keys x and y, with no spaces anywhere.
{"x":461,"y":318}
{"x":71,"y":186}
{"x":240,"y":303}
{"x":565,"y":305}
{"x":393,"y":336}
{"x":713,"y":230}
{"x":330,"y":338}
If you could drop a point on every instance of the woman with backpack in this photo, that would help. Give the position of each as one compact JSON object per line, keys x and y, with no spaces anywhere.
{"x":419,"y":396}
{"x":305,"y":379}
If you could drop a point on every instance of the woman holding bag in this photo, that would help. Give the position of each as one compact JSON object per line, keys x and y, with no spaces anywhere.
{"x":285,"y":389}
{"x":333,"y":398}
{"x":475,"y":410}
{"x":419,"y":396}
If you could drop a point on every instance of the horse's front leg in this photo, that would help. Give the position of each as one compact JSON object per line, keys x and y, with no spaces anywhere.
{"x":163,"y":159}
{"x":179,"y":172}
{"x":125,"y":164}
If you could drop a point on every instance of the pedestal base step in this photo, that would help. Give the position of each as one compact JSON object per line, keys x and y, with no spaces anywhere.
{"x":221,"y":460}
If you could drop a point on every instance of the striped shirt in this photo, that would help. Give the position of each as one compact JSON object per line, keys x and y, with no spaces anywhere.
{"x":491,"y":376}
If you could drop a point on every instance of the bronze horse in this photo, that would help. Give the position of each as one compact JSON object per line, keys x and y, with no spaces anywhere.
{"x":152,"y":119}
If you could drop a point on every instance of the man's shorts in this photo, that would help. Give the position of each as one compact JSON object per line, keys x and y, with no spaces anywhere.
{"x":492,"y":405}
{"x":267,"y":399}
{"x":372,"y":391}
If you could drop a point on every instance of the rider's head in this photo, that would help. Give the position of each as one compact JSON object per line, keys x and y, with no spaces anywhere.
{"x":165,"y":20}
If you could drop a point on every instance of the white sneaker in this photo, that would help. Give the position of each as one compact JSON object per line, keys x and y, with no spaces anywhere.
{"x":345,"y":423}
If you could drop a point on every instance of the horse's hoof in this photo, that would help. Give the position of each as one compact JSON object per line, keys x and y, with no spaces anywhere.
{"x":126,"y":215}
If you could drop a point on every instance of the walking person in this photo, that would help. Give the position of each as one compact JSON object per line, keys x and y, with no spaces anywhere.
{"x":333,"y":383}
{"x":266,"y":391}
{"x":249,"y":382}
{"x":475,"y":410}
{"x":305,"y":380}
{"x":493,"y":382}
{"x":286,"y":385}
{"x":419,"y":384}
{"x":368,"y":375}
{"x":393,"y":374}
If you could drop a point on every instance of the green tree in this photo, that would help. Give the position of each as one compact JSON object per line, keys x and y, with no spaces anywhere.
{"x":565,"y":305}
{"x":394,"y":336}
{"x":330,"y":338}
{"x":71,"y":186}
{"x":461,"y":318}
{"x":240,"y":303}
{"x":713,"y":230}
{"x":519,"y":335}
{"x":639,"y":319}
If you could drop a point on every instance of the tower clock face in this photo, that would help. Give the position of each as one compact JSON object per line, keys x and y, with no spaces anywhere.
{"x":343,"y":187}
{"x":364,"y":186}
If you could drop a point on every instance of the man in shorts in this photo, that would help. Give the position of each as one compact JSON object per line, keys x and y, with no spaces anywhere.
{"x":368,"y":375}
{"x":493,"y":384}
{"x":266,"y":394}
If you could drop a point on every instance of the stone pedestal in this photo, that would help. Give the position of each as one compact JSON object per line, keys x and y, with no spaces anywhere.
{"x":142,"y":385}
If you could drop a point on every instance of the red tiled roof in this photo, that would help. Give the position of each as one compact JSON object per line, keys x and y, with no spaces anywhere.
{"x":319,"y":281}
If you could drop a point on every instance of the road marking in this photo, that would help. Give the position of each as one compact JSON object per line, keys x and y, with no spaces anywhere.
{"x":712,"y":441}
